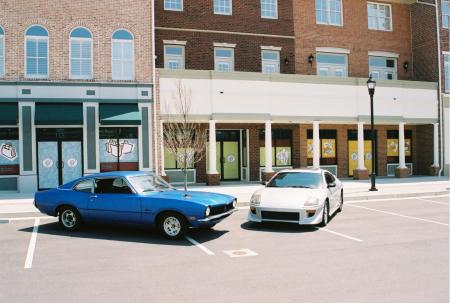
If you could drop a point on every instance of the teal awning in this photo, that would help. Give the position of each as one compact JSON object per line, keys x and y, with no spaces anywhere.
{"x":9,"y":114}
{"x":120,"y":114}
{"x":58,"y":114}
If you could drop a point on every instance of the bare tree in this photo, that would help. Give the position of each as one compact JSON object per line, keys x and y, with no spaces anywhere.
{"x":183,"y":138}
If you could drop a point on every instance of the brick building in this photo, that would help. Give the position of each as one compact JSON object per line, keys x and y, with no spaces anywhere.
{"x":283,"y":84}
{"x":76,"y":81}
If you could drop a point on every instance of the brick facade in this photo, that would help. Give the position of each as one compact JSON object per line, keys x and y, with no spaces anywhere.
{"x":60,"y":17}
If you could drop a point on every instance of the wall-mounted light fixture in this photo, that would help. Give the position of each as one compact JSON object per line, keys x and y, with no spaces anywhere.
{"x":311,"y":59}
{"x":406,"y":66}
{"x":286,"y":61}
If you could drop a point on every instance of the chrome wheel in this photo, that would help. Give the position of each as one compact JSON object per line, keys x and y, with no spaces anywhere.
{"x":172,"y":226}
{"x":69,"y":218}
{"x":325,"y":214}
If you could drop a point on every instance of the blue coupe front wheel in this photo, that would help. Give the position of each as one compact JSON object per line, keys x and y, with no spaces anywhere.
{"x":172,"y":225}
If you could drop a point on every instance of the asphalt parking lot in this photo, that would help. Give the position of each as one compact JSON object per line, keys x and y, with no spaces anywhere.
{"x":393,"y":250}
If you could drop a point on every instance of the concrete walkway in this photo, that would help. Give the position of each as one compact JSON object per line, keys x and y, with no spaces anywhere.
{"x":353,"y":190}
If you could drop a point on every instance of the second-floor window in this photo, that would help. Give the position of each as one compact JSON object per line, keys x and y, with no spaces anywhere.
{"x":379,"y":16}
{"x":174,"y":56}
{"x":2,"y":52}
{"x":329,"y":12}
{"x":269,"y":9}
{"x":223,"y":7}
{"x":447,"y":72}
{"x":224,"y":59}
{"x":383,"y":68}
{"x":446,"y":13}
{"x":173,"y":5}
{"x":36,"y":52}
{"x":122,"y":55}
{"x":270,"y":62}
{"x":80,"y":54}
{"x":331,"y":65}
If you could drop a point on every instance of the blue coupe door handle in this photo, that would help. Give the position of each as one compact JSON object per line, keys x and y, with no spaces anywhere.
{"x":93,"y":196}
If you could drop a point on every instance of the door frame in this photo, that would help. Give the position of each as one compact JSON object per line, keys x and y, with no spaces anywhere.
{"x":59,"y":146}
{"x":238,"y":141}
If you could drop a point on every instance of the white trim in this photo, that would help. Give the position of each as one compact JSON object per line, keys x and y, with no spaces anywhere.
{"x":174,"y":42}
{"x":173,"y":9}
{"x":229,"y":60}
{"x":97,"y":139}
{"x":383,"y":54}
{"x":224,"y":45}
{"x":91,"y":40}
{"x":270,"y":47}
{"x":133,"y":60}
{"x":167,"y":58}
{"x":46,"y":38}
{"x":33,"y":140}
{"x":335,"y":50}
{"x":328,"y":11}
{"x":150,"y":139}
{"x":265,"y":62}
{"x":378,"y":4}
{"x":269,"y":17}
{"x":223,"y":13}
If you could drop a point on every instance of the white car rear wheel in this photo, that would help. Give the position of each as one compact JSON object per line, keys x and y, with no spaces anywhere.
{"x":341,"y":202}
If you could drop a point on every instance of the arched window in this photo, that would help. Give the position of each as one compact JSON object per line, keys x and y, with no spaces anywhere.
{"x":122,"y":55}
{"x":2,"y":52}
{"x":36,"y":52}
{"x":80,"y":54}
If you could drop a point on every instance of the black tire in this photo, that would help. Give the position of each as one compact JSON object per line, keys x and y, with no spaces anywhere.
{"x":69,"y":218}
{"x":172,"y":225}
{"x":341,"y":206}
{"x":325,"y":215}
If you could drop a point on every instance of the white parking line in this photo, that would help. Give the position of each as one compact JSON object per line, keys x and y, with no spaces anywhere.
{"x":32,"y":245}
{"x":392,"y":199}
{"x":399,"y":215}
{"x":201,"y":246}
{"x":432,"y":201}
{"x":25,"y":218}
{"x":339,"y":234}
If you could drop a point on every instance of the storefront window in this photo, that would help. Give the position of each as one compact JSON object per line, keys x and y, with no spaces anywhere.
{"x":9,"y":151}
{"x":119,"y":148}
{"x":281,"y":147}
{"x":171,"y":161}
{"x":328,"y":155}
{"x":392,"y":146}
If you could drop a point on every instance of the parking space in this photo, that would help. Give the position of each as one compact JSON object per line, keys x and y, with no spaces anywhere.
{"x":376,"y":251}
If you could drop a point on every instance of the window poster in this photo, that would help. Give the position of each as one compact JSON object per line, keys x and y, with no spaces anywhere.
{"x":9,"y":157}
{"x":392,"y":147}
{"x":310,"y":148}
{"x":328,"y":148}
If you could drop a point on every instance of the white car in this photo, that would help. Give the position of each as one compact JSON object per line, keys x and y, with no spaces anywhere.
{"x":302,"y":196}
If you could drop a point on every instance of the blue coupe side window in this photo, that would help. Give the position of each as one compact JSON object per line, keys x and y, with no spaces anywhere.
{"x":112,"y":186}
{"x":84,"y":186}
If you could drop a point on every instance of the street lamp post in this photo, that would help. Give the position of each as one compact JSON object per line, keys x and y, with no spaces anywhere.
{"x":371,"y":86}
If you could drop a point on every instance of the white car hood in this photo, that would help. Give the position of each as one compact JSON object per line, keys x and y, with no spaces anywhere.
{"x":288,"y":198}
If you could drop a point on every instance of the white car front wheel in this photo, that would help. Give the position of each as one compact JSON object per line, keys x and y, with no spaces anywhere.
{"x":325,"y":215}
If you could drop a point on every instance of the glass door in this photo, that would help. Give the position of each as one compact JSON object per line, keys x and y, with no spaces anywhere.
{"x":71,"y":160}
{"x":48,"y":164}
{"x":230,"y":162}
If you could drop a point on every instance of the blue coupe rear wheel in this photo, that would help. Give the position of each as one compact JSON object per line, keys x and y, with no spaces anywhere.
{"x":69,"y":218}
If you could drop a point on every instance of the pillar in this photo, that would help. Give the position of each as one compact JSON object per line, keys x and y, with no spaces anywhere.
{"x":316,"y":145}
{"x":212,"y":177}
{"x":27,"y":181}
{"x":401,"y":171}
{"x":268,"y":169}
{"x":361,"y":173}
{"x":161,"y":134}
{"x":434,"y":169}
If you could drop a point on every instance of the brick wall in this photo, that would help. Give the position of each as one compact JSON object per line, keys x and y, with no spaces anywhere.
{"x":353,"y":35}
{"x":101,"y":17}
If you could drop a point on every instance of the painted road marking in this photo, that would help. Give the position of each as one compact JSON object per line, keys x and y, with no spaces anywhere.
{"x":432,"y":201}
{"x":399,"y":215}
{"x":32,"y":245}
{"x":392,"y":199}
{"x":239,"y":253}
{"x":340,"y":234}
{"x":26,"y":218}
{"x":201,"y":246}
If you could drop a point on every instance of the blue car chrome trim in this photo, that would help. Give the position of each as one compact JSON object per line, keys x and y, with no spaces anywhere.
{"x":212,"y":218}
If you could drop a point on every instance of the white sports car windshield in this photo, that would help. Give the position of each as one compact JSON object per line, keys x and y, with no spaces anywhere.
{"x":147,"y":183}
{"x":296,"y":180}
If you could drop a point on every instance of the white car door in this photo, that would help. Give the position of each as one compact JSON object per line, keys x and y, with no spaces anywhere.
{"x":333,"y":192}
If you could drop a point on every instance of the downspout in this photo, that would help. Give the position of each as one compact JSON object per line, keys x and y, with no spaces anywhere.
{"x":441,"y":105}
{"x":155,"y":124}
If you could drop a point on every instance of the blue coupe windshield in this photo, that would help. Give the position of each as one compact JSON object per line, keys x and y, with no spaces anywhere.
{"x":296,"y":179}
{"x":145,"y":183}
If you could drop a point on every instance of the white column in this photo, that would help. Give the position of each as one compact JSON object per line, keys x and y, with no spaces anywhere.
{"x":401,"y":145}
{"x":161,"y":126}
{"x":212,"y":148}
{"x":268,"y":147}
{"x":361,"y":165}
{"x":436,"y":145}
{"x":316,"y":145}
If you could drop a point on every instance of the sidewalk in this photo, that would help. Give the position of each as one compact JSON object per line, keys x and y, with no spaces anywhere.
{"x":353,"y":190}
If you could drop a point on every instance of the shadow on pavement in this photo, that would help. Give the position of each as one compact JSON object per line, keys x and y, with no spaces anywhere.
{"x":277,"y":227}
{"x":118,"y":233}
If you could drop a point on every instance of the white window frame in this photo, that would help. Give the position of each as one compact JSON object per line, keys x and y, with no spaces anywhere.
{"x":379,"y":70}
{"x":378,"y":17}
{"x":266,"y":61}
{"x":231,"y":60}
{"x":445,"y":14}
{"x":2,"y":59}
{"x":81,"y":77}
{"x":133,"y":76}
{"x":223,"y":13}
{"x":174,"y":9}
{"x":276,"y":10}
{"x":329,"y":15}
{"x":168,"y":57}
{"x":332,"y":66}
{"x":46,"y":38}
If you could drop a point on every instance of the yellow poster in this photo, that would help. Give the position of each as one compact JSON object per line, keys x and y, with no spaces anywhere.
{"x":368,"y":155}
{"x":328,"y":148}
{"x":353,"y":156}
{"x":309,"y":144}
{"x":392,"y":147}
{"x":407,"y":147}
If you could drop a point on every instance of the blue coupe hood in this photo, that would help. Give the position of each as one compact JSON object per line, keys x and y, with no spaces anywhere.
{"x":204,"y":198}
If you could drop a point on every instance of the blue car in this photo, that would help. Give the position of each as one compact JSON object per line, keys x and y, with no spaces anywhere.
{"x":136,"y":198}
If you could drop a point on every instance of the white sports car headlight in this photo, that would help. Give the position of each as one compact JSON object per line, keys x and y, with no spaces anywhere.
{"x":312,"y":201}
{"x":255,"y":200}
